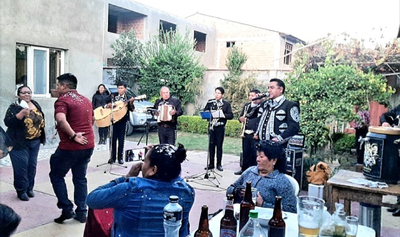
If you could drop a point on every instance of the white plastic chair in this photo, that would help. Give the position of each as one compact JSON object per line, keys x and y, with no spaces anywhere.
{"x":294,"y":183}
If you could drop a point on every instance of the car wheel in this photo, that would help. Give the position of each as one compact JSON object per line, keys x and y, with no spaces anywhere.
{"x":129,"y":128}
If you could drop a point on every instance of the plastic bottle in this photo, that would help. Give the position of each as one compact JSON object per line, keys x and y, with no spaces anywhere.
{"x":228,"y":225}
{"x":172,"y":217}
{"x":252,"y":227}
{"x":245,"y":206}
{"x":276,"y":225}
{"x":203,"y":230}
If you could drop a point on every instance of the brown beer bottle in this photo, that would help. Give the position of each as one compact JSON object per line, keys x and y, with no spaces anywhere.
{"x":245,"y":206}
{"x":276,"y":224}
{"x":228,"y":226}
{"x":203,"y":230}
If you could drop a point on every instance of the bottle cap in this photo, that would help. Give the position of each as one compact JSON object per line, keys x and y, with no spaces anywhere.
{"x":253,"y":214}
{"x":173,"y":198}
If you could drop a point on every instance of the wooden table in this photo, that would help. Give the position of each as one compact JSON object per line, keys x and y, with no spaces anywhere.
{"x":340,"y":188}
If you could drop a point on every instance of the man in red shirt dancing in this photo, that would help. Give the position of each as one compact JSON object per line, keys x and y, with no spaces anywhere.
{"x":74,"y":117}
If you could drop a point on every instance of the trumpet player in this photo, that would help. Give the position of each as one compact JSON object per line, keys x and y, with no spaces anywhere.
{"x":216,"y":129}
{"x":249,"y":119}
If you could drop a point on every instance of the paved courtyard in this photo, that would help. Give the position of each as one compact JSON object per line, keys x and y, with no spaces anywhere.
{"x":38,"y":213}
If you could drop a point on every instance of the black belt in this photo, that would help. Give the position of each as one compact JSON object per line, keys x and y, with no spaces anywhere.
{"x":164,"y":125}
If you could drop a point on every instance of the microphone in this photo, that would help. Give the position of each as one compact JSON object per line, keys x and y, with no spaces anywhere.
{"x":260,"y":96}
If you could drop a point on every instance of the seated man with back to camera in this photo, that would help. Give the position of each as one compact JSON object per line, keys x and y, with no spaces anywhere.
{"x":268,"y":176}
{"x":139,"y":202}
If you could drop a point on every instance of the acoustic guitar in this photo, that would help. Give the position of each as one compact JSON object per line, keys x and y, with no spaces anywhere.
{"x":102,"y":115}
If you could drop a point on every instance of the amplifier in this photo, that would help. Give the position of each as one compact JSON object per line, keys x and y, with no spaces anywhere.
{"x":294,"y":163}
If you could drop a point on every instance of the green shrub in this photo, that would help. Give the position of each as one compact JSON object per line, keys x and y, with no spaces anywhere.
{"x":195,"y":124}
{"x":345,"y":143}
{"x":336,"y":136}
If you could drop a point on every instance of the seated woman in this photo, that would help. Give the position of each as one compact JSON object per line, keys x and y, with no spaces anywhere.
{"x":139,"y":202}
{"x":268,"y":177}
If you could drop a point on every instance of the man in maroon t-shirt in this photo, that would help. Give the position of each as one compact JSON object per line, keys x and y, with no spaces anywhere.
{"x":74,"y":116}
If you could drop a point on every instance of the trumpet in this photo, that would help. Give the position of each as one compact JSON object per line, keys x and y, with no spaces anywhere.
{"x":243,"y":128}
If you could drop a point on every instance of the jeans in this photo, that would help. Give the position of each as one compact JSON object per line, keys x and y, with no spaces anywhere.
{"x":24,"y":163}
{"x":60,"y":163}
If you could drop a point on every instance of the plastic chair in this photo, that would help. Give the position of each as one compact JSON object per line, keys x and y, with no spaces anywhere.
{"x":294,"y":183}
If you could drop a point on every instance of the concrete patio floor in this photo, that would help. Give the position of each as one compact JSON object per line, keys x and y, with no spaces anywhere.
{"x":38,"y":213}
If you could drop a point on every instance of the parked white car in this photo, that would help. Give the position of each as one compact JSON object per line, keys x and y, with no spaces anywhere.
{"x":141,"y":116}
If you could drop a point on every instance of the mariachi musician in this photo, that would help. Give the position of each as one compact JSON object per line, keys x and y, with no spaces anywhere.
{"x":119,"y":127}
{"x":168,"y":109}
{"x":216,"y":129}
{"x":280,"y":117}
{"x":392,"y":119}
{"x":249,"y":119}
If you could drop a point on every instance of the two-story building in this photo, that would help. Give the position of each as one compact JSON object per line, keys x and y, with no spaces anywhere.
{"x":40,"y":40}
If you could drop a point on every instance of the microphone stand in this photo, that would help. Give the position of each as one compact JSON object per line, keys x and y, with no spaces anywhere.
{"x":209,"y":174}
{"x":109,"y":164}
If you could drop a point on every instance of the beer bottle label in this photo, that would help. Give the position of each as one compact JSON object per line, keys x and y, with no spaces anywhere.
{"x":227,"y":233}
{"x":276,"y":231}
{"x":172,"y":216}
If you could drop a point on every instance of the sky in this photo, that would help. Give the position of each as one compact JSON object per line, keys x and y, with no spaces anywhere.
{"x":308,"y":20}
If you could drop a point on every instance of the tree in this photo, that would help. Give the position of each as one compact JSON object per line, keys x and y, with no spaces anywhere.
{"x":236,"y":86}
{"x":169,"y":60}
{"x":328,"y":90}
{"x":127,"y":57}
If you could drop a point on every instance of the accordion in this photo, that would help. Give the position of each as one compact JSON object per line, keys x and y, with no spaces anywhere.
{"x":163,"y":114}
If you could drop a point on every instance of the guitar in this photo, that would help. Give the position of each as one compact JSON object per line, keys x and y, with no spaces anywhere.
{"x":102,"y":115}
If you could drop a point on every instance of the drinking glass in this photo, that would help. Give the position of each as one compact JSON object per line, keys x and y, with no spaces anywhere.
{"x":351,"y":226}
{"x":254,"y":195}
{"x":340,"y":223}
{"x":309,"y":213}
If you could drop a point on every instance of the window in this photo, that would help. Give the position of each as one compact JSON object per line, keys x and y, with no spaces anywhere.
{"x":167,"y":30}
{"x":287,"y":56}
{"x":121,"y":19}
{"x":38,"y":67}
{"x":200,"y":41}
{"x":230,"y":44}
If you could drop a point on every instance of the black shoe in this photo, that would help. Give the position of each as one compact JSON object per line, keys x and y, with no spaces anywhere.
{"x":120,"y":161}
{"x":219,"y":167}
{"x":64,"y":216}
{"x":391,"y":209}
{"x":111,"y":161}
{"x":23,"y":197}
{"x":30,"y":193}
{"x":238,"y":172}
{"x":210,"y":167}
{"x":396,"y":213}
{"x":81,"y":217}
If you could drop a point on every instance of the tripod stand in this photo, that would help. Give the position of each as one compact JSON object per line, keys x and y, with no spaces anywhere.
{"x":209,"y":174}
{"x":110,"y":162}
